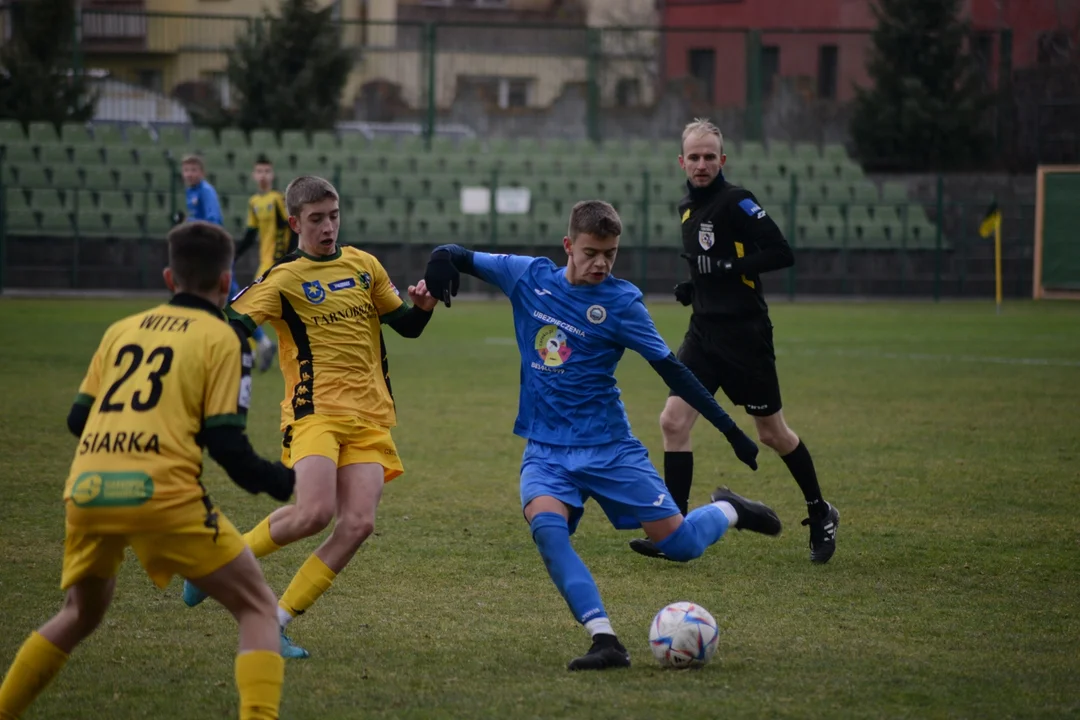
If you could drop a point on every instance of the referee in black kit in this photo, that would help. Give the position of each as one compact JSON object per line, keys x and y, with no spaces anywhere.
{"x":728,"y":241}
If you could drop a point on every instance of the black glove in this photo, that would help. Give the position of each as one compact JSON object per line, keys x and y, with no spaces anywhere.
{"x":178,"y":217}
{"x":442,"y":278}
{"x":279,"y":484}
{"x":745,"y":448}
{"x":706,"y":264}
{"x":684,"y":292}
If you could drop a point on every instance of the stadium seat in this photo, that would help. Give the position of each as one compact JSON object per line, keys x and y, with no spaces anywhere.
{"x":158,"y":224}
{"x":383,"y":145}
{"x":42,"y":133}
{"x":134,"y":178}
{"x":380,"y":229}
{"x":125,"y":223}
{"x":864,"y":192}
{"x":778,"y":191}
{"x":813,"y":192}
{"x":396,"y":207}
{"x":56,"y":223}
{"x":19,"y":153}
{"x":231,"y":181}
{"x":139,"y":136}
{"x":321,"y":140}
{"x":366,"y":207}
{"x":232,"y":139}
{"x":436,"y":230}
{"x":172,"y":136}
{"x":32,"y":176}
{"x":47,"y":200}
{"x":379,"y":185}
{"x":200,"y":139}
{"x":54,"y":155}
{"x":113,"y":200}
{"x":21,"y":221}
{"x":780,"y":152}
{"x":850,"y":171}
{"x":442,"y":187}
{"x":90,"y":222}
{"x":768,"y":171}
{"x":17,"y":199}
{"x":354,"y":142}
{"x":411,"y":186}
{"x":470,"y":146}
{"x":749,"y":152}
{"x":11,"y":131}
{"x":266,"y":141}
{"x":99,"y":178}
{"x":160,"y":178}
{"x":894,"y":193}
{"x":83,"y":155}
{"x":807,"y":153}
{"x":107,"y":134}
{"x":75,"y":135}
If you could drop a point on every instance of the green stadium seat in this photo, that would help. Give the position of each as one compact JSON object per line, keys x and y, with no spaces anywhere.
{"x":232,"y":139}
{"x":56,"y":223}
{"x":83,"y":155}
{"x":501,"y":146}
{"x":399,"y":164}
{"x":56,"y":156}
{"x":231,"y":181}
{"x":32,"y":176}
{"x":159,"y":178}
{"x":75,"y":135}
{"x":99,"y":178}
{"x":835,"y":152}
{"x":158,"y":224}
{"x":126,"y":224}
{"x":812,"y":192}
{"x":352,"y":183}
{"x":42,"y":133}
{"x":366,"y":207}
{"x":380,"y":229}
{"x":123,"y":155}
{"x":778,"y":192}
{"x":515,"y":230}
{"x":19,"y":153}
{"x":90,"y":222}
{"x":383,"y":145}
{"x":748,"y":152}
{"x":850,"y":171}
{"x":322,"y":140}
{"x":780,"y":152}
{"x":11,"y":131}
{"x":354,"y":142}
{"x":107,"y":134}
{"x":172,"y":136}
{"x":769,"y":171}
{"x":429,"y":208}
{"x":134,"y":178}
{"x":443,"y":145}
{"x":379,"y":185}
{"x":202,"y":139}
{"x":779,"y":215}
{"x":443,"y":187}
{"x":864,"y":192}
{"x":47,"y":200}
{"x":265,"y":140}
{"x":17,"y":198}
{"x":139,"y":136}
{"x":806,"y":152}
{"x":113,"y":200}
{"x":470,"y":146}
{"x":21,"y":221}
{"x":396,"y":207}
{"x":894,"y":193}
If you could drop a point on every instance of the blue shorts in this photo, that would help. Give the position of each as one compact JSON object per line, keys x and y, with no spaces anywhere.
{"x":618,"y":475}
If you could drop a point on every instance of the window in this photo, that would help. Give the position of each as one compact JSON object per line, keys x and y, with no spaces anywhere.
{"x":514,"y":92}
{"x":628,"y":92}
{"x":220,"y":81}
{"x":770,"y":66}
{"x":826,"y":72}
{"x":702,"y":63}
{"x":505,"y":92}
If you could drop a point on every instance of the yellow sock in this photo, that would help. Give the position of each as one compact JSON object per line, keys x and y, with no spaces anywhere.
{"x":259,"y":540}
{"x":35,"y":665}
{"x":259,"y":677}
{"x":313,"y":579}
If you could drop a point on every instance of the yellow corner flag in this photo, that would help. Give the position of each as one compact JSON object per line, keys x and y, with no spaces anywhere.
{"x":991,"y":225}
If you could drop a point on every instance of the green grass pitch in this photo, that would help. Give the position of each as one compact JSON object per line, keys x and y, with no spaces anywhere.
{"x":948,"y":437}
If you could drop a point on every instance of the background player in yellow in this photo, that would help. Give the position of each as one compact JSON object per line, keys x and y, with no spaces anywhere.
{"x":268,"y":224}
{"x":162,"y":385}
{"x":327,"y":304}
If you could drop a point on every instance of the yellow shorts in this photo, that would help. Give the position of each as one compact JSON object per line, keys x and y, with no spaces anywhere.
{"x":189,"y":551}
{"x":344,"y":440}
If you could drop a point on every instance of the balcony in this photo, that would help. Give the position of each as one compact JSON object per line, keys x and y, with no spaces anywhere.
{"x":114,"y":25}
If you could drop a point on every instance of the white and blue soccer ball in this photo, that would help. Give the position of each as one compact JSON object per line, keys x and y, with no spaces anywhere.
{"x":683,"y":635}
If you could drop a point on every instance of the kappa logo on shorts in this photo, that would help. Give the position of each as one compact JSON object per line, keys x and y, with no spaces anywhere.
{"x":314,"y":292}
{"x":596,"y":314}
{"x":706,"y":237}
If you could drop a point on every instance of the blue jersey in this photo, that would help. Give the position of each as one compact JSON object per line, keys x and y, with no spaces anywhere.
{"x":571,"y":337}
{"x":202,"y":203}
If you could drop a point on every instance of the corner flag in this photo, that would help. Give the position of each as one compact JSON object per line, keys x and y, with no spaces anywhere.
{"x":991,"y":225}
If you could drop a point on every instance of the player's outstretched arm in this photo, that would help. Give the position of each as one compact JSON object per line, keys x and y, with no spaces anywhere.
{"x":410,"y":323}
{"x":245,"y":244}
{"x":230,"y":448}
{"x":684,"y":384}
{"x":443,"y":274}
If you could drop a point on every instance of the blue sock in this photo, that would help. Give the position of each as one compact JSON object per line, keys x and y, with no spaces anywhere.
{"x":552,"y":537}
{"x":701,"y":528}
{"x":258,"y":334}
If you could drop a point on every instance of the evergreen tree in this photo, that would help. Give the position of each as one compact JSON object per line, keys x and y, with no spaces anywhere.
{"x":926,"y":108}
{"x":36,"y":79}
{"x":290,"y":70}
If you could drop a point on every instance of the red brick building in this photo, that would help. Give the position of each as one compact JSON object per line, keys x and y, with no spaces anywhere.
{"x":823,"y":43}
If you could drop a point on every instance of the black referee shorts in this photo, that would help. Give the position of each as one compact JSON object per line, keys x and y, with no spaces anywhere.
{"x":734,"y":355}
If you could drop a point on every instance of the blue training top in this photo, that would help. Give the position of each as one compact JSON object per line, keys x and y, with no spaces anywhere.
{"x":202,"y":203}
{"x":571,"y":338}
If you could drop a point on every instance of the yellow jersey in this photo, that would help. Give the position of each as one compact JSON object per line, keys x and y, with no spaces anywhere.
{"x":267,"y":214}
{"x":327,"y":313}
{"x":157,"y":379}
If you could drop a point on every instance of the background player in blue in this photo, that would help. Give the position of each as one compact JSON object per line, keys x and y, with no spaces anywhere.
{"x":572,"y":326}
{"x":202,"y":204}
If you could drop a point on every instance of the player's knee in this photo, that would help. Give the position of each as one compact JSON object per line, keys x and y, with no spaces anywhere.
{"x":81,"y":618}
{"x":682,"y":545}
{"x":675,"y":424}
{"x":313,"y":519}
{"x":781,"y":438}
{"x":356,"y":529}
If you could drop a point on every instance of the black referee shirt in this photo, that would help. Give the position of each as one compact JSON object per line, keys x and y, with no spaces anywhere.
{"x":723,"y":222}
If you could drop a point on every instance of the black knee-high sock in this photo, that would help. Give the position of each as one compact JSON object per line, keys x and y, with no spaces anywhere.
{"x":801,"y":466}
{"x":678,"y":476}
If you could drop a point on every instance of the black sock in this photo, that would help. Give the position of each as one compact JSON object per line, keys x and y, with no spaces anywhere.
{"x":678,"y":476}
{"x":801,"y":466}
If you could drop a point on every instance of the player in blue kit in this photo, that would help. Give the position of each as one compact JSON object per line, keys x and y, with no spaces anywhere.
{"x":572,"y":326}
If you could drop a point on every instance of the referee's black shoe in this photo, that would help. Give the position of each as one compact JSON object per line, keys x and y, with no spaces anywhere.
{"x":606,"y":652}
{"x":823,"y":534}
{"x":753,"y":516}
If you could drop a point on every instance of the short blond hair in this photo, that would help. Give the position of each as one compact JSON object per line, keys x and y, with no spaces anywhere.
{"x":702,"y":126}
{"x":305,"y":190}
{"x":193,"y":159}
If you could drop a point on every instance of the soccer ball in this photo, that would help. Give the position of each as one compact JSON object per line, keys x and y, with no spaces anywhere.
{"x":683,"y":635}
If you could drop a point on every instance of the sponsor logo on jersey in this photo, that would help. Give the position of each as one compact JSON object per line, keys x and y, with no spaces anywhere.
{"x":751,"y":208}
{"x":596,"y":314}
{"x":112,"y":489}
{"x":365,"y":280}
{"x":314,"y":292}
{"x":342,"y":284}
{"x":706,"y":237}
{"x":551,"y":344}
